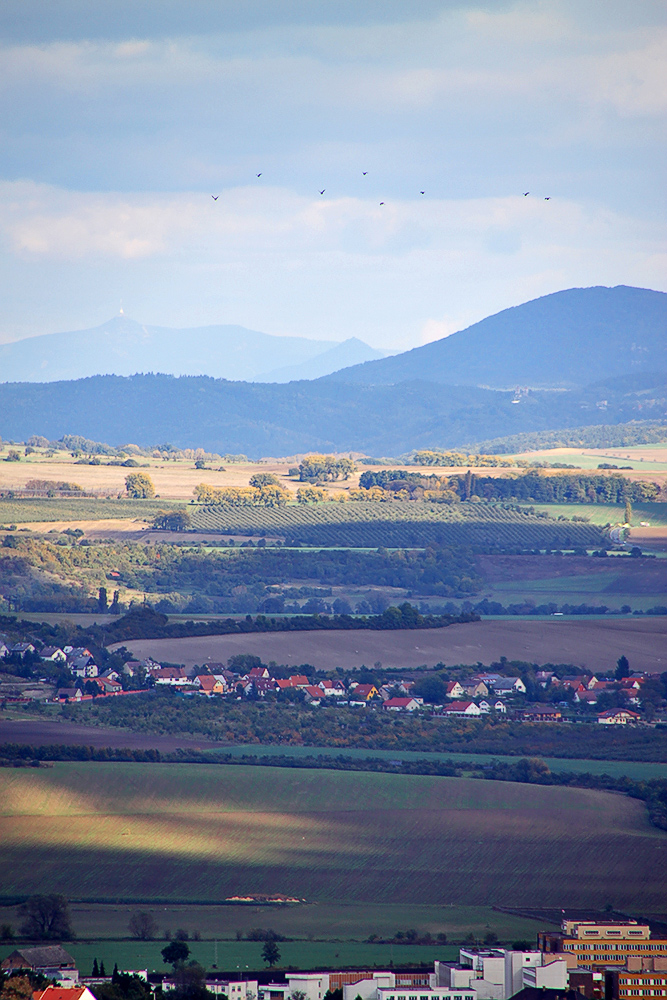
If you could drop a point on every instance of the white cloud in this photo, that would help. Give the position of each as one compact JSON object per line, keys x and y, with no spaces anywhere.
{"x":398,"y":274}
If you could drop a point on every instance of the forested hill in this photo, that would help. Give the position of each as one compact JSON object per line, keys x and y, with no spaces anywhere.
{"x":562,"y":340}
{"x":271,"y":419}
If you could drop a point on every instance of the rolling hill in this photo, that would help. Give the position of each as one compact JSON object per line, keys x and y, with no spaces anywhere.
{"x":562,"y":340}
{"x":124,"y":347}
{"x":324,"y":415}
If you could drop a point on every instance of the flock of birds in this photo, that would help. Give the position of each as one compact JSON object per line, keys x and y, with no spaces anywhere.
{"x":365,"y":173}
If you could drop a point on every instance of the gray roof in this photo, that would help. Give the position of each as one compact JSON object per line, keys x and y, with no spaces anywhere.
{"x":44,"y":957}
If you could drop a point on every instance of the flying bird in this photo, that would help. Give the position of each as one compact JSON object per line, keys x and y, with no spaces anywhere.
{"x":526,"y":193}
{"x":382,"y":203}
{"x":364,"y":172}
{"x":215,"y":197}
{"x":422,"y":192}
{"x":323,"y":190}
{"x":259,"y":175}
{"x":548,"y":199}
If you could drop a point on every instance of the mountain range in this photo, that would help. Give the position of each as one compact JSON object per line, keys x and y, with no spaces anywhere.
{"x":562,"y":340}
{"x":575,"y":358}
{"x":273,"y":419}
{"x":124,"y":347}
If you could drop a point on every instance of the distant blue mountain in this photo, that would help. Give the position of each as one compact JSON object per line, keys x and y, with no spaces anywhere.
{"x":124,"y":347}
{"x":567,"y":339}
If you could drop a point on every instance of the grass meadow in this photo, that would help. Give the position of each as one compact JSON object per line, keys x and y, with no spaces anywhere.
{"x":203,"y":833}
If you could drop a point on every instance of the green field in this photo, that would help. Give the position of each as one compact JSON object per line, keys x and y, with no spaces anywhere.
{"x":85,"y":509}
{"x":586,"y":460}
{"x":639,"y":770}
{"x":601,"y":513}
{"x":206,"y":832}
{"x":412,"y":523}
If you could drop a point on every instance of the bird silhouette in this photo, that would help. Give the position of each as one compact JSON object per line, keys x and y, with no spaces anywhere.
{"x":215,"y":197}
{"x":382,"y":203}
{"x":526,"y":193}
{"x":323,"y":190}
{"x":364,"y":172}
{"x":259,"y":175}
{"x":547,"y":199}
{"x":422,"y":192}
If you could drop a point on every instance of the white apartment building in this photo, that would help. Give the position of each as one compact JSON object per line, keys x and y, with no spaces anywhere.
{"x":422,"y":993}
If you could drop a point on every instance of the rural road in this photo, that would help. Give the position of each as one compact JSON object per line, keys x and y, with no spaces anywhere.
{"x":592,"y":643}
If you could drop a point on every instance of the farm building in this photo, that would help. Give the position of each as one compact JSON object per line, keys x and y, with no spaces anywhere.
{"x":51,"y":961}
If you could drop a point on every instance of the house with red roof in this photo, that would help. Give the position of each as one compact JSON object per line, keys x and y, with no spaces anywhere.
{"x":618,"y":717}
{"x":363,"y":692}
{"x":314,"y":694}
{"x":209,"y":685}
{"x":171,"y":675}
{"x":402,"y":704}
{"x":333,"y":689}
{"x":462,"y":708}
{"x":63,"y":993}
{"x":455,"y":690}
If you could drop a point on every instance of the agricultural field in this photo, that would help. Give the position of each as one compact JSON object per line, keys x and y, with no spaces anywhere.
{"x":400,"y":524}
{"x":598,"y":513}
{"x":616,"y":582}
{"x":592,"y":643}
{"x":204,"y":833}
{"x":332,"y":936}
{"x":642,"y":458}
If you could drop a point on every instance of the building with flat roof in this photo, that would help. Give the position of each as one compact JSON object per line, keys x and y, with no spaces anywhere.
{"x":591,"y":944}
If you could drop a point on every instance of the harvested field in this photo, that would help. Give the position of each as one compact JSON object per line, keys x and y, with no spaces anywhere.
{"x":206,"y":832}
{"x":592,"y":643}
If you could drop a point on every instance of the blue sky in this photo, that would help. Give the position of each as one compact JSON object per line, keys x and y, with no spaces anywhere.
{"x":121,"y":118}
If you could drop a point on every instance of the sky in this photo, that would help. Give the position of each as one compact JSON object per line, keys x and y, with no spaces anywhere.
{"x":120,"y":119}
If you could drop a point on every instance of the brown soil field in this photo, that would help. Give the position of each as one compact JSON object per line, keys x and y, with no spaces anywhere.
{"x":595,"y":644}
{"x":632,"y":576}
{"x":652,"y":538}
{"x":47,"y":732}
{"x":128,"y":530}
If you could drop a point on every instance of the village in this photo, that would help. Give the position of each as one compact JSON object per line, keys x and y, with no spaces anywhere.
{"x":596,"y":959}
{"x":566,"y":696}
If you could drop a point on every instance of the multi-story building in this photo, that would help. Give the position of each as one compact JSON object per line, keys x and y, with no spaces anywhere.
{"x":643,"y":978}
{"x":590,"y":944}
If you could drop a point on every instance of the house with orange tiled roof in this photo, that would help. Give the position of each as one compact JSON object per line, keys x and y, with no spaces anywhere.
{"x":314,"y":694}
{"x":63,"y":993}
{"x":210,"y":685}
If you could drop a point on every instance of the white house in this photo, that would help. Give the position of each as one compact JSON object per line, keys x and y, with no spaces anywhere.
{"x":403,"y":704}
{"x":425,"y":993}
{"x":618,"y":717}
{"x":333,"y":689}
{"x":509,"y":685}
{"x":52,"y":654}
{"x":462,"y":708}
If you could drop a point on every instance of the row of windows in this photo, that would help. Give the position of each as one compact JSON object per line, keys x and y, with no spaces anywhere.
{"x":644,"y":993}
{"x":643,"y":982}
{"x":623,"y":946}
{"x":457,"y":996}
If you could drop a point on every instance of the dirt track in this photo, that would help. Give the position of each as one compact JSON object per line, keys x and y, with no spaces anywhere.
{"x":596,"y":644}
